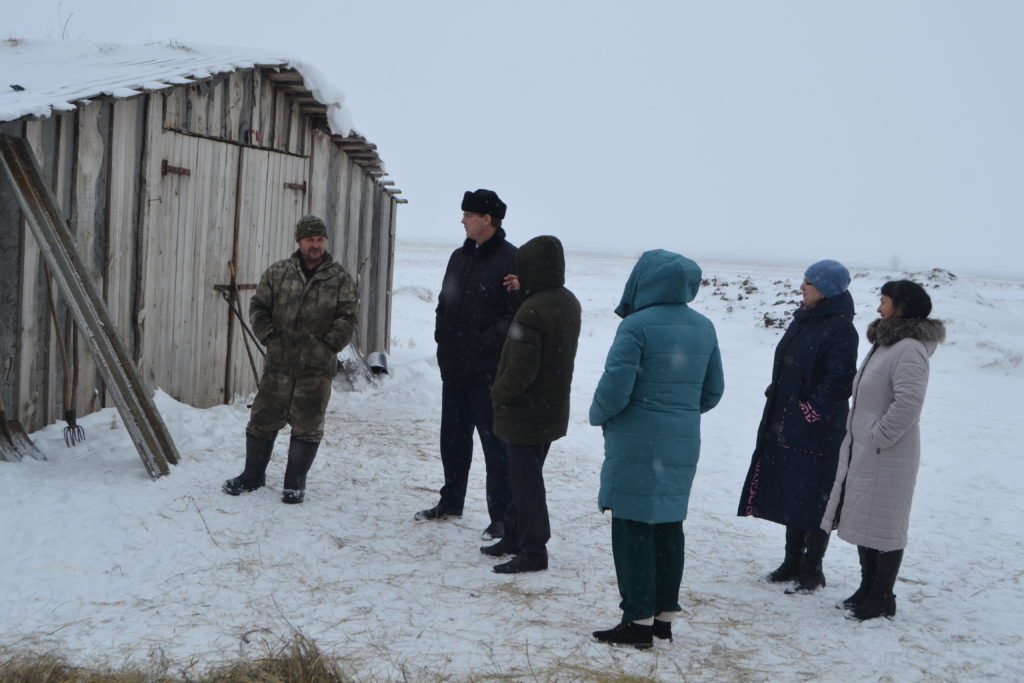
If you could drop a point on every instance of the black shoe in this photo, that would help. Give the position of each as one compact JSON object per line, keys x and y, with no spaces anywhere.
{"x":809,"y":580}
{"x":880,"y":601}
{"x":628,"y":633}
{"x":293,"y":496}
{"x":854,"y":600}
{"x":494,"y":531}
{"x":522,"y":563}
{"x":436,"y":512}
{"x":240,"y":485}
{"x":874,"y":606}
{"x":868,"y":569}
{"x":257,"y":457}
{"x":498,"y":549}
{"x":300,"y":458}
{"x":811,"y":577}
{"x":790,"y":567}
{"x":663,"y":630}
{"x":785,"y":572}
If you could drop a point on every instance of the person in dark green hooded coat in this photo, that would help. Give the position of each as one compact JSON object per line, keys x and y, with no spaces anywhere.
{"x":664,"y":370}
{"x":530,"y":394}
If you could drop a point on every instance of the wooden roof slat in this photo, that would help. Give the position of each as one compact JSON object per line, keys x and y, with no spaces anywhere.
{"x":289,"y":76}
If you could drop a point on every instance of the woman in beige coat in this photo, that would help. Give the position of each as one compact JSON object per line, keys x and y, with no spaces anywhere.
{"x":879,"y":458}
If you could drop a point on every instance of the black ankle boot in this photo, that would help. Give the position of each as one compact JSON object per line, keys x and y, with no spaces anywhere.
{"x":300,"y":458}
{"x":868,"y":560}
{"x":790,"y":567}
{"x":811,"y":577}
{"x":662,"y":630}
{"x":628,"y":633}
{"x":257,"y":456}
{"x":880,"y":600}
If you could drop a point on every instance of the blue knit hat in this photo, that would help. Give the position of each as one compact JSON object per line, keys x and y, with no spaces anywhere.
{"x":830,"y":277}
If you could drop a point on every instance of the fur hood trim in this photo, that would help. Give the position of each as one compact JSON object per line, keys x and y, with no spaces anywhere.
{"x":888,"y":331}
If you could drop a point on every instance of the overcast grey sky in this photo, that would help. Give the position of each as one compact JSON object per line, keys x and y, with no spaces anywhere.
{"x":871,"y":131}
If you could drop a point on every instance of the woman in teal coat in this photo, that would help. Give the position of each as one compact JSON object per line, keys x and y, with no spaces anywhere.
{"x":663,"y":370}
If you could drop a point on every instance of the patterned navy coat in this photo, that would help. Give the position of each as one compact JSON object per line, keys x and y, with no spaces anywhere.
{"x":804,"y":420}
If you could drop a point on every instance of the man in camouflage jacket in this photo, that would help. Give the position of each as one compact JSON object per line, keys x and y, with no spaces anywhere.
{"x":304,"y":311}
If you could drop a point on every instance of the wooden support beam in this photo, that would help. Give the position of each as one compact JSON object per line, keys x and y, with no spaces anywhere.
{"x":46,"y":222}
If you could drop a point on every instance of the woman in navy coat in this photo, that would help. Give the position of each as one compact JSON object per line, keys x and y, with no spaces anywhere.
{"x":803,"y":424}
{"x":663,"y":371}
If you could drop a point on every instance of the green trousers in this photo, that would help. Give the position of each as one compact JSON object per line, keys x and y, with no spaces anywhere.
{"x":283,"y":400}
{"x":648,"y":566}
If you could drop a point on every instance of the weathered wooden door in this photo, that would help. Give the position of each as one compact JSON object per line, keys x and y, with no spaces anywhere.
{"x":272,"y":193}
{"x":215,"y":203}
{"x":188,"y":248}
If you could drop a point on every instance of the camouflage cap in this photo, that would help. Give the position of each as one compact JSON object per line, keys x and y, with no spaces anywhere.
{"x":309,"y":226}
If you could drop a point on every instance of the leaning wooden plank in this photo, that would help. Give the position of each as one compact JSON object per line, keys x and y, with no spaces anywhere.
{"x":28,"y":408}
{"x":140,"y":416}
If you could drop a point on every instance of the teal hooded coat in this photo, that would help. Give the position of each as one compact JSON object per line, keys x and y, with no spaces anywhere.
{"x":664,"y":370}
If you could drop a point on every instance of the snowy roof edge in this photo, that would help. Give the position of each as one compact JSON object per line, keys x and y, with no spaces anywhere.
{"x":54,"y":75}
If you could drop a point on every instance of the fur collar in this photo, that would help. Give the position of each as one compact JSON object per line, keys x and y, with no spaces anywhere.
{"x":888,"y":331}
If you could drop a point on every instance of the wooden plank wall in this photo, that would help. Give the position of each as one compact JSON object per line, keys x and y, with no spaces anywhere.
{"x":12,"y":239}
{"x":156,"y":244}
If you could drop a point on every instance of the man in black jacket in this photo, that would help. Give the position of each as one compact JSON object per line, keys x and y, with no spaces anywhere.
{"x":473,"y":316}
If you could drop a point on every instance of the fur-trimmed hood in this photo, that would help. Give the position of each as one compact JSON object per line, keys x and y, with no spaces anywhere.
{"x":888,"y":331}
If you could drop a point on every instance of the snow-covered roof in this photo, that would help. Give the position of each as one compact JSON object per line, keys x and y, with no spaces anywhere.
{"x":43,"y":76}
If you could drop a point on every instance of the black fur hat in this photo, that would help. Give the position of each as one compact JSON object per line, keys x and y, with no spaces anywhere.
{"x":484,"y":201}
{"x":909,"y":297}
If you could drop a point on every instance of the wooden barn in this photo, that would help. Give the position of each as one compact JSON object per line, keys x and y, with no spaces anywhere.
{"x":181,"y":172}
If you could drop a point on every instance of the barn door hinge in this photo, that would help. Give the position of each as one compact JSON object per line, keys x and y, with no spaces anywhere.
{"x":296,"y":186}
{"x":166,"y":168}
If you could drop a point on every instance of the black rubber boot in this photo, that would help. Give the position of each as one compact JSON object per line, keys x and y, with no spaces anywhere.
{"x":811,"y":578}
{"x":790,"y":567}
{"x":300,"y":458}
{"x":880,"y":600}
{"x":868,"y":566}
{"x":257,"y":456}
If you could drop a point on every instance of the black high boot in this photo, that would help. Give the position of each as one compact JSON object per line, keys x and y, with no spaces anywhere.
{"x":257,"y":456}
{"x":300,"y":458}
{"x":810,"y":577}
{"x":880,"y":600}
{"x":868,"y":565}
{"x":790,"y":567}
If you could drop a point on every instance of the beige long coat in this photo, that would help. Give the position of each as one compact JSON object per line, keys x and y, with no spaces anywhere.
{"x":879,"y":458}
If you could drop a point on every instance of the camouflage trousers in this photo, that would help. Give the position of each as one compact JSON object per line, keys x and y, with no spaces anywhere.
{"x":283,"y":400}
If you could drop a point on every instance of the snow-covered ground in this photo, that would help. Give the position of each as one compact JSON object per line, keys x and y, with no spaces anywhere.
{"x":101,"y":563}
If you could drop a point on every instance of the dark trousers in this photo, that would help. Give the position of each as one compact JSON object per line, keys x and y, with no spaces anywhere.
{"x":527,"y":529}
{"x":463,"y":409}
{"x":648,"y":566}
